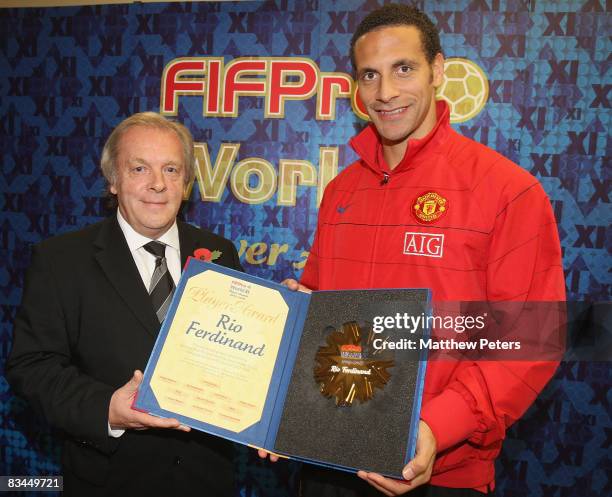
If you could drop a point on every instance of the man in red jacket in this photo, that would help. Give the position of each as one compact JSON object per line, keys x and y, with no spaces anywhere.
{"x":426,"y":207}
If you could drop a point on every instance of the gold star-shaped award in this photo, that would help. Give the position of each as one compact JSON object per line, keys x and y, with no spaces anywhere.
{"x":348,"y":367}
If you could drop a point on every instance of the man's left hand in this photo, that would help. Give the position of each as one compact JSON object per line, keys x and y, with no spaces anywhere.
{"x":417,"y":472}
{"x":121,"y":416}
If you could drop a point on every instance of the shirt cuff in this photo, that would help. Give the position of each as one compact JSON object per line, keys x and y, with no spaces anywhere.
{"x":114,"y":433}
{"x":450,"y":418}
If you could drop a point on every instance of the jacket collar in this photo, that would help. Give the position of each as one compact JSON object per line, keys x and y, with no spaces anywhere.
{"x":368,"y":146}
{"x":117,"y":263}
{"x":188,"y":243}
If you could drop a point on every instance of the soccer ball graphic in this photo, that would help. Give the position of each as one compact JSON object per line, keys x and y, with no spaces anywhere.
{"x":465,"y":88}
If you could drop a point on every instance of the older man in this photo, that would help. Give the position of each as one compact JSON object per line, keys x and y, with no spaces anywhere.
{"x":92,"y":306}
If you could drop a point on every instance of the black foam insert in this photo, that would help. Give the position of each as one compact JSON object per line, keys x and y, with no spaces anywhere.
{"x":374,"y":435}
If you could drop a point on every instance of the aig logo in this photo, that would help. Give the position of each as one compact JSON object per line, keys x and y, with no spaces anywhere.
{"x":425,"y":244}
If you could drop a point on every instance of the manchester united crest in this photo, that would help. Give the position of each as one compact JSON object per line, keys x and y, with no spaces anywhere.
{"x":429,"y":207}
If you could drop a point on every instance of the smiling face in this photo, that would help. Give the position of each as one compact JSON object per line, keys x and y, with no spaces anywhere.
{"x":149,"y":179}
{"x":397,"y":84}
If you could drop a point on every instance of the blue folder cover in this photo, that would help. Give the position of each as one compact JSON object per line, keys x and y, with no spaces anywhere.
{"x":292,"y":389}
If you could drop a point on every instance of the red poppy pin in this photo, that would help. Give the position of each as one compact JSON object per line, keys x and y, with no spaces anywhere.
{"x":206,"y":255}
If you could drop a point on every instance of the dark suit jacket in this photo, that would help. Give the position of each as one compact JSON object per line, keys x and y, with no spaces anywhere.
{"x":85,"y":324}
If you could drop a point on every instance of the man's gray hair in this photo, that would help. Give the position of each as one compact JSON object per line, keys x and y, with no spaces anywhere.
{"x":108,"y":163}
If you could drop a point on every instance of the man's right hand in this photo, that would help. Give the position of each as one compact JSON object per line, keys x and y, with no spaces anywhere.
{"x":263,"y":454}
{"x":121,"y":416}
{"x":295,"y":286}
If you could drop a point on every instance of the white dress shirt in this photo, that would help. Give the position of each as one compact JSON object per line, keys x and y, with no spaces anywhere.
{"x":145,"y":262}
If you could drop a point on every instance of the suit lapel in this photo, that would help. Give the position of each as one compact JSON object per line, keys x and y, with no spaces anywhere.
{"x":188,"y":244}
{"x":118,"y":264}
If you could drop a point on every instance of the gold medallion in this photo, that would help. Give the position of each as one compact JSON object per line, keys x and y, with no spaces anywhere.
{"x":429,"y":207}
{"x":348,"y":367}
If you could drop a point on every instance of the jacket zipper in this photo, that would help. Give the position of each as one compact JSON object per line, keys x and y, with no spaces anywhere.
{"x":383,"y":182}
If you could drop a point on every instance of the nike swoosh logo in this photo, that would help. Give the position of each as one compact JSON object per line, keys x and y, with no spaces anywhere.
{"x":342,"y":209}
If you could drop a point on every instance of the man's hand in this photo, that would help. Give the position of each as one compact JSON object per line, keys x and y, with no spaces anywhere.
{"x":121,"y":416}
{"x":264,"y":453}
{"x":295,"y":286}
{"x":417,"y":472}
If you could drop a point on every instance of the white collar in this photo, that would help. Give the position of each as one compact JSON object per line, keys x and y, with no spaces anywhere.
{"x":135,"y":240}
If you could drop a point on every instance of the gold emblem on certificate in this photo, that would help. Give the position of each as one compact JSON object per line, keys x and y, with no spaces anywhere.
{"x":348,"y":368}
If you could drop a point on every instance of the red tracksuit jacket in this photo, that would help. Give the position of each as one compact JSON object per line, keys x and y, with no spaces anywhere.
{"x":456,"y":217}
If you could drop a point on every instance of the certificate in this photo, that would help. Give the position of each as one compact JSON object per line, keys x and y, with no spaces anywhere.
{"x":294,"y":373}
{"x":219,"y":352}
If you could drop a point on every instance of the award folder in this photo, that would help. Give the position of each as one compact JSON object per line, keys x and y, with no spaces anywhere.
{"x":321,"y":377}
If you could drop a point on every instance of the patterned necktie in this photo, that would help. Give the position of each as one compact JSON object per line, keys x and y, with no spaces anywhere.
{"x":162,"y":285}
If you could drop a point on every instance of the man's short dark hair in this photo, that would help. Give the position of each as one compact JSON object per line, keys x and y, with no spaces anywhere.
{"x":394,"y":14}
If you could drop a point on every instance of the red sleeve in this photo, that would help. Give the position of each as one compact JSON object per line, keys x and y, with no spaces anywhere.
{"x":524,"y":264}
{"x":310,"y":276}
